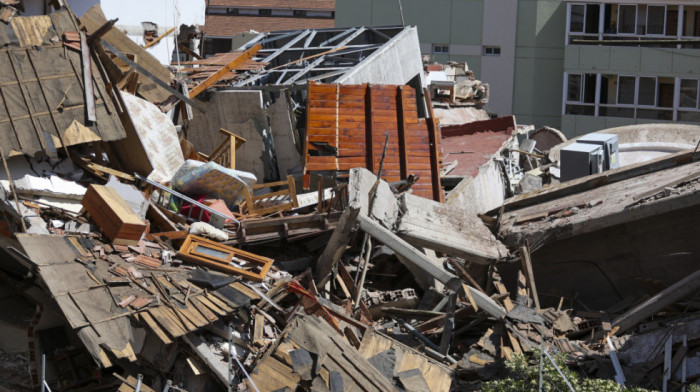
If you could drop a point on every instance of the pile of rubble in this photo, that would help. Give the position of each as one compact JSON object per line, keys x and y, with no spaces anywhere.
{"x":310,"y":243}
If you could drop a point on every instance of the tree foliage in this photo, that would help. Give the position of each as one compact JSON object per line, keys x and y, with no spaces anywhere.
{"x":524,"y":377}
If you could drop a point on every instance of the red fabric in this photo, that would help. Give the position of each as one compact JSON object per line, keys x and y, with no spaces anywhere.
{"x":185,"y":209}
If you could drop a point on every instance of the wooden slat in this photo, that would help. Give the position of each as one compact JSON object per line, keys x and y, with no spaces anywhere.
{"x":148,"y":319}
{"x":211,"y":306}
{"x":173,"y":327}
{"x":247,"y":55}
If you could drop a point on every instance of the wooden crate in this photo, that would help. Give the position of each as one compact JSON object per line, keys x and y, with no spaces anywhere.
{"x":113,"y":215}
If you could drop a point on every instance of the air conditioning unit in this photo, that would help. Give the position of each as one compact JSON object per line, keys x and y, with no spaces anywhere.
{"x":579,"y":160}
{"x":611,"y":157}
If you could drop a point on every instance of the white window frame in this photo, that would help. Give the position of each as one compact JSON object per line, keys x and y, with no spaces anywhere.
{"x":663,"y":30}
{"x":697,"y":95}
{"x":636,"y":106}
{"x":634,"y":93}
{"x":693,"y":10}
{"x":435,"y":46}
{"x":636,"y":17}
{"x":493,"y":51}
{"x":580,"y":88}
{"x":656,"y":92}
{"x":568,"y":27}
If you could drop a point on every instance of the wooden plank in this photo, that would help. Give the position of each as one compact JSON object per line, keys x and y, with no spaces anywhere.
{"x":648,"y":308}
{"x":94,"y":167}
{"x":403,"y":147}
{"x":211,"y":306}
{"x":221,"y":304}
{"x":413,"y":381}
{"x":208,"y":82}
{"x":155,"y":41}
{"x":175,"y":314}
{"x":368,"y":130}
{"x":194,"y":316}
{"x":501,"y":289}
{"x":208,"y":314}
{"x":173,"y":327}
{"x":434,"y":135}
{"x":30,"y":108}
{"x":271,"y":375}
{"x":527,"y":268}
{"x":148,"y":319}
{"x":88,"y":86}
{"x":337,"y":243}
{"x":258,"y":334}
{"x":246,"y":290}
{"x":514,"y":343}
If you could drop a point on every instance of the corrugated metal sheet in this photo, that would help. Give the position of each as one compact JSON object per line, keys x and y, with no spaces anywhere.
{"x":354,"y":119}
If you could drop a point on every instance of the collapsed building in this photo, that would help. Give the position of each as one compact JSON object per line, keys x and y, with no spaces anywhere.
{"x":295,"y":215}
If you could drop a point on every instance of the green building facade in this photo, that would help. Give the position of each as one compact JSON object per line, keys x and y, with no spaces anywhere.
{"x":576,"y":66}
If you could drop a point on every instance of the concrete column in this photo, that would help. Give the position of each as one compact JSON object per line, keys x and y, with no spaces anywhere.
{"x":499,"y":28}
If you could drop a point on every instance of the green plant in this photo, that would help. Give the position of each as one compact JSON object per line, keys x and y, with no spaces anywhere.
{"x":524,"y":377}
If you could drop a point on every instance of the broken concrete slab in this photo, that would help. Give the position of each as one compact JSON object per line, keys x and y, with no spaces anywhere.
{"x":447,"y":229}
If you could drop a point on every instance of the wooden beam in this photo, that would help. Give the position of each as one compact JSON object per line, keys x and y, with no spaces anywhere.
{"x":369,"y":137}
{"x":337,"y":243}
{"x":464,"y":274}
{"x":208,"y":82}
{"x":14,"y":191}
{"x":648,"y":308}
{"x":484,"y":302}
{"x":155,"y":41}
{"x":190,"y":52}
{"x":527,"y":268}
{"x":448,"y":328}
{"x":403,"y":146}
{"x":434,"y":137}
{"x":88,"y":87}
{"x":102,"y":30}
{"x":148,"y":74}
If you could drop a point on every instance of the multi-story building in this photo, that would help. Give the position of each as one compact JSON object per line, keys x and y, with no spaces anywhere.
{"x":517,"y":46}
{"x":577,"y":66}
{"x":226,"y":18}
{"x":630,"y":63}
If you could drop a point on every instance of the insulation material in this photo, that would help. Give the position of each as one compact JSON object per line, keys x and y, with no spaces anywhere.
{"x":49,"y":186}
{"x":158,"y":137}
